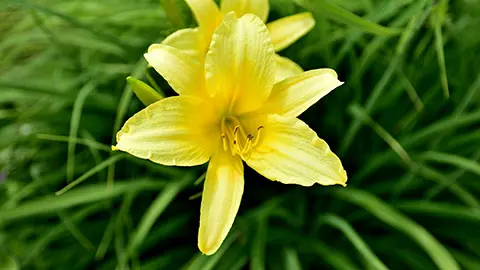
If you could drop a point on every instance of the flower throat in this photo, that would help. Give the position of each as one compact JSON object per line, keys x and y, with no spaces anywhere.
{"x":236,"y":139}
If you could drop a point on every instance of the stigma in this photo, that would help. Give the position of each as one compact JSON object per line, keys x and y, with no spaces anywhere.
{"x":235,"y":138}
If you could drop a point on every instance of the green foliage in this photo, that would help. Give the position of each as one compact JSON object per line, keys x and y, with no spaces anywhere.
{"x":405,"y":125}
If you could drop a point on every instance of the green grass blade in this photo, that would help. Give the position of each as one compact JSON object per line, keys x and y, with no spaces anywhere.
{"x":446,"y":210}
{"x":56,"y":232}
{"x":106,"y":239}
{"x":380,"y":87}
{"x":463,"y":194}
{"x":291,"y":259}
{"x":92,"y":171}
{"x":452,"y":179}
{"x":76,"y":23}
{"x":122,"y":111}
{"x":448,"y":123}
{"x":466,"y":260}
{"x":74,"y":124}
{"x":76,"y":232}
{"x":344,"y":16}
{"x":411,"y":92}
{"x":336,"y":258}
{"x":461,"y":162}
{"x":77,"y":196}
{"x":341,"y":224}
{"x":154,"y":211}
{"x":257,"y":261}
{"x":205,"y":262}
{"x":435,"y":19}
{"x":439,"y":254}
{"x":359,"y":113}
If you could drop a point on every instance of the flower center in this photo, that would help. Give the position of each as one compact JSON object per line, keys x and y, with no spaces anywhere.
{"x":235,"y":138}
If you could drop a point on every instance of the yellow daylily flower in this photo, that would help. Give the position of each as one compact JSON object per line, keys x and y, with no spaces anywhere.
{"x":228,"y":110}
{"x":284,"y":31}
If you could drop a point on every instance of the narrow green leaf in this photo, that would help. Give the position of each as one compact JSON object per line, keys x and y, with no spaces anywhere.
{"x":336,"y":258}
{"x":7,"y":262}
{"x":403,"y":43}
{"x":56,"y":232}
{"x":360,"y":114}
{"x":74,"y":124}
{"x":452,"y":179}
{"x":291,"y":260}
{"x":106,"y":239}
{"x":257,"y":254}
{"x":344,"y":16}
{"x":75,"y":22}
{"x":153,"y":212}
{"x":410,"y":90}
{"x":461,"y":162}
{"x":122,"y":111}
{"x":445,"y":210}
{"x":91,"y":172}
{"x":466,"y":260}
{"x":77,"y":196}
{"x":87,"y":142}
{"x":463,"y":194}
{"x":75,"y":231}
{"x":436,"y":19}
{"x":439,"y":254}
{"x":449,"y":123}
{"x":341,"y":224}
{"x":204,"y":262}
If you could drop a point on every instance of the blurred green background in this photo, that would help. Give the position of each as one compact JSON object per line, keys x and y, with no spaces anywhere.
{"x":405,"y":124}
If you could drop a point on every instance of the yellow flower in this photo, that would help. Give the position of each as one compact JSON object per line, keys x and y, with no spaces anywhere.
{"x":231,"y":110}
{"x":285,"y":31}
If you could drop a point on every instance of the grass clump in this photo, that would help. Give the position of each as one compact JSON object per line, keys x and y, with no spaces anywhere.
{"x":405,"y":125}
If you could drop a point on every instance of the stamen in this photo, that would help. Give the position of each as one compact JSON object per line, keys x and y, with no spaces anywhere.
{"x":257,"y":138}
{"x":225,"y":142}
{"x":247,"y":146}
{"x":235,"y":138}
{"x":235,"y":134}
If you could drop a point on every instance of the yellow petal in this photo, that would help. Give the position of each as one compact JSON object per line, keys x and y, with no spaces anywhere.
{"x":286,"y":68}
{"x":207,"y":15}
{"x":290,"y":152}
{"x":171,"y":132}
{"x":242,"y":7}
{"x":296,"y":94}
{"x":188,"y":40}
{"x":286,"y":31}
{"x":222,"y":193}
{"x":240,"y":64}
{"x":183,"y":72}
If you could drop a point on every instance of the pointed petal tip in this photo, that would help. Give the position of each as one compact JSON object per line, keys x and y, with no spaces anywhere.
{"x":343,"y":182}
{"x":115,"y":148}
{"x":207,"y":251}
